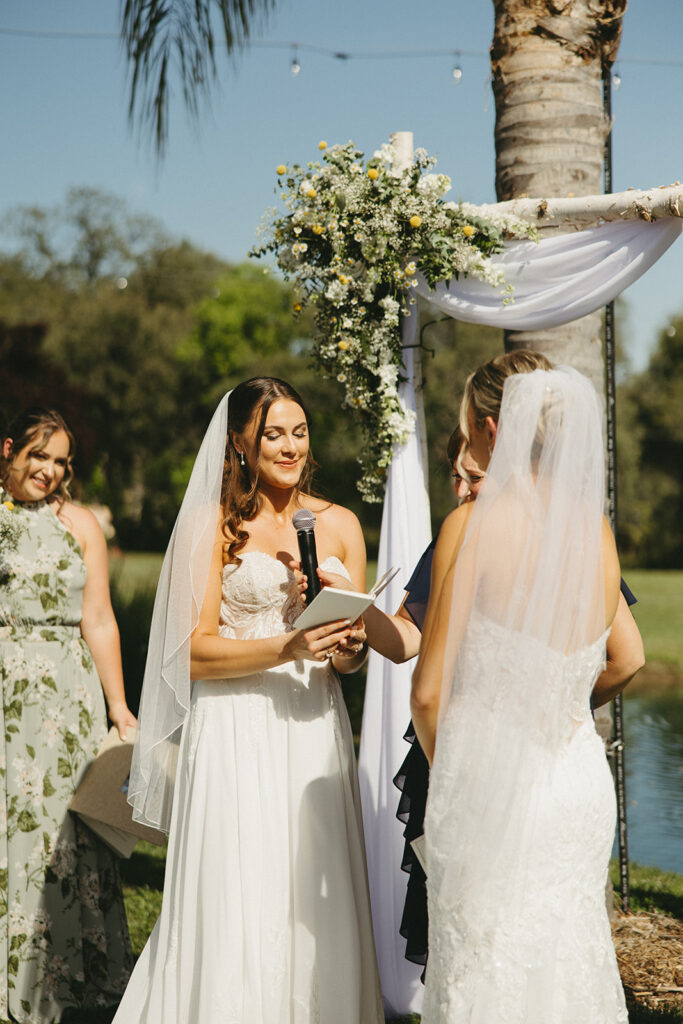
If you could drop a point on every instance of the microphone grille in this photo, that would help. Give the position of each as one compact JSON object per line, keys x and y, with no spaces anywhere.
{"x":304,"y":519}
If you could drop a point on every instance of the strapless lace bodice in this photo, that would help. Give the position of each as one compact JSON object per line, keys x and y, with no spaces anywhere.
{"x":260,"y":597}
{"x":567,"y":679}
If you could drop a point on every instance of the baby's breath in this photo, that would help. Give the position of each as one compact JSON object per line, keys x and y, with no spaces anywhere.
{"x":354,"y":235}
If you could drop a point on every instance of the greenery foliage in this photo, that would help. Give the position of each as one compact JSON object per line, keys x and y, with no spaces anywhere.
{"x":353,"y":239}
{"x":652,"y":891}
{"x":650,"y":452}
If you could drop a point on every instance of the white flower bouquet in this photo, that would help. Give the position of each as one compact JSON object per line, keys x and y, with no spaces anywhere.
{"x":352,"y":238}
{"x":11,"y":526}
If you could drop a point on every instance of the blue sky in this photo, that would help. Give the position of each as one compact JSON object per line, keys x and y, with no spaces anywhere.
{"x":64,"y":116}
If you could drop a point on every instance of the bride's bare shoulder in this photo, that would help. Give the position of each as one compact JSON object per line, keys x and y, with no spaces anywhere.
{"x":334,"y":516}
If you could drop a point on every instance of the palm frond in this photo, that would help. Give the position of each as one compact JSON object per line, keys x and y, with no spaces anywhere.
{"x":165,"y":37}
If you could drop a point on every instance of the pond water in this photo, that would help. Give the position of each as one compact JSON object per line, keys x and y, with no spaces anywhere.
{"x":653,"y":732}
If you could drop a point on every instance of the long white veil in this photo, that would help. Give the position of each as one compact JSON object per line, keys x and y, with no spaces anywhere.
{"x":180,"y":593}
{"x":526,"y":641}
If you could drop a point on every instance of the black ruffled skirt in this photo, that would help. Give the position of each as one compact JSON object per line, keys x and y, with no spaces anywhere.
{"x":412,"y":779}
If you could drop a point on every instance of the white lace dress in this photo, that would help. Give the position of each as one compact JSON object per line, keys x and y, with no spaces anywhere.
{"x":520,"y":935}
{"x":266,"y":913}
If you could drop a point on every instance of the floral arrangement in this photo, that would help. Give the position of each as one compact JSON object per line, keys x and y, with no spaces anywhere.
{"x":352,"y":239}
{"x":11,"y":527}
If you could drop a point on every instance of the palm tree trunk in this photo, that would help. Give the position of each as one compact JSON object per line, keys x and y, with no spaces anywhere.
{"x":547,"y":59}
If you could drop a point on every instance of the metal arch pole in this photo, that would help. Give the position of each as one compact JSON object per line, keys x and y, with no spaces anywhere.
{"x":617,"y":746}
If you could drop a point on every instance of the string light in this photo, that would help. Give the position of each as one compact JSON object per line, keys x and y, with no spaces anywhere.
{"x":295,"y":67}
{"x":323,"y":50}
{"x":616,"y":80}
{"x":456,"y":73}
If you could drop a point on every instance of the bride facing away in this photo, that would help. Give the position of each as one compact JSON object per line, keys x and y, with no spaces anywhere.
{"x":521,"y":811}
{"x":266,"y":914}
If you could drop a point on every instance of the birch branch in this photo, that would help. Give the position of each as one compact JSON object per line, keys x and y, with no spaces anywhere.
{"x":651,"y":204}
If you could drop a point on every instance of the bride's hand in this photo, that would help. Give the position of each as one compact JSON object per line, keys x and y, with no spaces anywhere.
{"x":317,"y":644}
{"x":357,"y":638}
{"x":334,"y":579}
{"x":354,"y":642}
{"x":300,"y":579}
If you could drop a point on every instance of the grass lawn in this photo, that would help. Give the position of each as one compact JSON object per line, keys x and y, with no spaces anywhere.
{"x":134,"y":571}
{"x":659,"y":614}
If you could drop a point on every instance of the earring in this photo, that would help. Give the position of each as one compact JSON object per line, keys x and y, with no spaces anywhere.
{"x":242,"y":459}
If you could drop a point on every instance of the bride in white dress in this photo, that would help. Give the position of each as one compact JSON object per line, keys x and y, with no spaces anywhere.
{"x":521,"y":810}
{"x":266,"y":914}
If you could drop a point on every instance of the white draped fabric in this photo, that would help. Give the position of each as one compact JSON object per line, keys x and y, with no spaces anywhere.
{"x":556,"y":280}
{"x":406,"y":532}
{"x":560,"y":278}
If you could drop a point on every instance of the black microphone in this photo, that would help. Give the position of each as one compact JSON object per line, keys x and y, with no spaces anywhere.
{"x":304,"y":524}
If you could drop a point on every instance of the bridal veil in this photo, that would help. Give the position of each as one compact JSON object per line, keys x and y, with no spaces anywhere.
{"x":180,"y":593}
{"x":525,"y":643}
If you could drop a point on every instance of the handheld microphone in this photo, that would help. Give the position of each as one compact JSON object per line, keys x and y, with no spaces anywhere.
{"x":304,"y":524}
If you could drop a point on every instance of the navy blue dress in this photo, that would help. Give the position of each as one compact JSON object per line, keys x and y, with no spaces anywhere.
{"x":412,"y":779}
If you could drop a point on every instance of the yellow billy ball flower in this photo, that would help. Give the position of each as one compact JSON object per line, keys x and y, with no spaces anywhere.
{"x":343,"y":345}
{"x":9,"y":505}
{"x":322,"y":144}
{"x":281,"y":169}
{"x":311,"y":193}
{"x":468,"y":230}
{"x":415,"y":221}
{"x":317,"y":229}
{"x":297,"y":307}
{"x":373,"y":173}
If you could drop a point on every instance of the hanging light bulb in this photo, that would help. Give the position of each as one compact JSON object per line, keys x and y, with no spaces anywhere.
{"x":616,"y":80}
{"x":456,"y":73}
{"x":295,"y":67}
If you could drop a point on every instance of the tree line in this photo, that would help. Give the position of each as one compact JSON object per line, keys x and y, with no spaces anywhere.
{"x":134,"y":336}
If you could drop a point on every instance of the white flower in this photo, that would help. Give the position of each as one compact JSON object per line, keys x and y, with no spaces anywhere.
{"x":29,"y":780}
{"x":42,"y":666}
{"x":433,"y":186}
{"x":15,"y":667}
{"x":50,"y":733}
{"x":40,"y":921}
{"x":16,"y":919}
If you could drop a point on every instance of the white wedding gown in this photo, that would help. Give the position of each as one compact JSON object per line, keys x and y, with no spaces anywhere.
{"x":520,"y":935}
{"x":266,"y":913}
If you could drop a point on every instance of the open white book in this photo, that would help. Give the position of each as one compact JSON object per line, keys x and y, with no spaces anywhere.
{"x":332,"y":603}
{"x":101,"y":799}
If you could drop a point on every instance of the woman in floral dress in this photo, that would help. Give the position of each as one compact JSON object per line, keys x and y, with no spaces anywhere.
{"x":63,"y":935}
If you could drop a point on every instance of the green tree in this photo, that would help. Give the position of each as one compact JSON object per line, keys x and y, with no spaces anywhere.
{"x":651,"y":457}
{"x":92,"y":235}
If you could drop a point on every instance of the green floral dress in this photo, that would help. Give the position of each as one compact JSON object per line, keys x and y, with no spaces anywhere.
{"x":63,"y":933}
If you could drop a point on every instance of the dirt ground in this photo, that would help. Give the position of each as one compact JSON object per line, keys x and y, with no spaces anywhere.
{"x":650,"y":955}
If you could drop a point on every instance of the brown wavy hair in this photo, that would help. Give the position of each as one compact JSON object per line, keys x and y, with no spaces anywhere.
{"x":34,"y":427}
{"x":484,"y":388}
{"x":240,"y":496}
